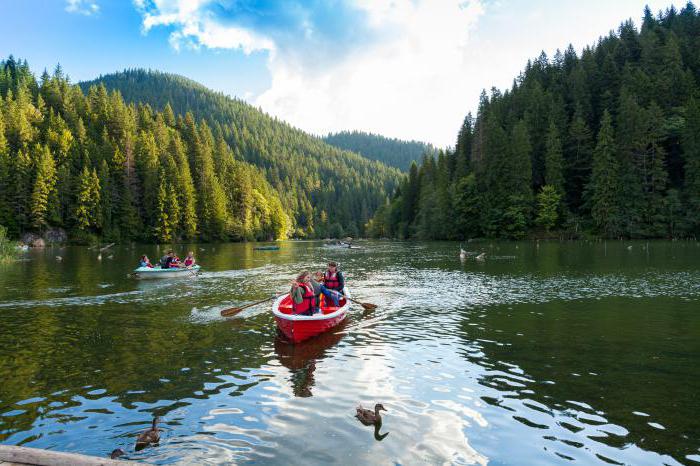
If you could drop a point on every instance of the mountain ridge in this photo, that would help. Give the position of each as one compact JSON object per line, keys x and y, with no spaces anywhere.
{"x":345,"y":187}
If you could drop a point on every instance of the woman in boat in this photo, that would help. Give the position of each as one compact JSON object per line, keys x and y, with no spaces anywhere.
{"x":303,"y":296}
{"x":144,"y":262}
{"x":189,"y":260}
{"x":333,"y":279}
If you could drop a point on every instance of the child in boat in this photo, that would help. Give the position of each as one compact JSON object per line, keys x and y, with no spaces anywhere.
{"x":189,"y":260}
{"x":144,"y":262}
{"x":303,"y":297}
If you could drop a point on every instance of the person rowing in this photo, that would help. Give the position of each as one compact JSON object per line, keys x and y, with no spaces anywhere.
{"x":168,"y":261}
{"x":320,"y":288}
{"x":333,"y":279}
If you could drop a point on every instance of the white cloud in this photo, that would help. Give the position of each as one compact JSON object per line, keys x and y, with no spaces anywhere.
{"x":414,"y":69}
{"x":195,"y":26}
{"x":82,"y":7}
{"x":403,"y":86}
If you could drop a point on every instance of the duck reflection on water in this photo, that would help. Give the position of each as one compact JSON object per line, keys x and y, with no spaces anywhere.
{"x":301,"y":358}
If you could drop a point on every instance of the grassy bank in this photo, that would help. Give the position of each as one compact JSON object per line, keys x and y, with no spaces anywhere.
{"x":8,"y":249}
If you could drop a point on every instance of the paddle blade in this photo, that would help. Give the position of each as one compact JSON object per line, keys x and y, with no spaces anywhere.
{"x":369,"y":306}
{"x":232,"y":311}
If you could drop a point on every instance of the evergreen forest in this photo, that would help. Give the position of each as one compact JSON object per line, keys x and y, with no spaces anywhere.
{"x":604,"y":143}
{"x":102,"y":166}
{"x":390,"y":151}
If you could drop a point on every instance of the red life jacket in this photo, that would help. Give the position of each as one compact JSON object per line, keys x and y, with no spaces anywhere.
{"x":331,"y":281}
{"x":309,"y":302}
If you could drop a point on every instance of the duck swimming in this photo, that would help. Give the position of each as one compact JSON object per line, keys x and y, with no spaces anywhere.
{"x":367,"y":417}
{"x":150,"y":436}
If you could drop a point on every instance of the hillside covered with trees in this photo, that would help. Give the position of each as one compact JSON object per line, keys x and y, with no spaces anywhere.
{"x":326,"y":191}
{"x":98,"y":166}
{"x":391,"y":151}
{"x":605,"y":143}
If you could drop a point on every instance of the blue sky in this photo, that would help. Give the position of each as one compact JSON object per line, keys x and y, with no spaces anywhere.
{"x":403,"y":68}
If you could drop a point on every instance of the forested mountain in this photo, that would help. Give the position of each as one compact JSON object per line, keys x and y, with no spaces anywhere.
{"x":393,"y":152}
{"x":96,"y":165}
{"x":606,"y":143}
{"x":325,"y":190}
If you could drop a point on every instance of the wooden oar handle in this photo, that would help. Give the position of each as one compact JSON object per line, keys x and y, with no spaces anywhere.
{"x":235,"y":310}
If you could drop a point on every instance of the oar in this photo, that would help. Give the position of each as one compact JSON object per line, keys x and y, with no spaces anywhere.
{"x":232,"y":311}
{"x":367,"y":306}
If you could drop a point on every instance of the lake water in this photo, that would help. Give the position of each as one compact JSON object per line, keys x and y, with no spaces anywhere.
{"x":541,"y":354}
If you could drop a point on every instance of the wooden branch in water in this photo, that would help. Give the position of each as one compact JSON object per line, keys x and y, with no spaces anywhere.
{"x":37,"y":457}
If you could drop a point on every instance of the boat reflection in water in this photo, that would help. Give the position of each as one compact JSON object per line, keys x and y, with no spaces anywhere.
{"x":300,"y":358}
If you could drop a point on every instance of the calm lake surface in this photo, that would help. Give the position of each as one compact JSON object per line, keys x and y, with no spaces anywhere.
{"x":551,"y":354}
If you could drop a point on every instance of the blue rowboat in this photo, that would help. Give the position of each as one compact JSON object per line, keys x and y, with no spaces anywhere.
{"x":157,"y":272}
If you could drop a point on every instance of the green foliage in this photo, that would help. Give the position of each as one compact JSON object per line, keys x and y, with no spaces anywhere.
{"x":8,"y":249}
{"x":548,"y":201}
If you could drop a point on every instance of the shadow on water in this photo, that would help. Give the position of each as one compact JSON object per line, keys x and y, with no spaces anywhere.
{"x":301,"y":359}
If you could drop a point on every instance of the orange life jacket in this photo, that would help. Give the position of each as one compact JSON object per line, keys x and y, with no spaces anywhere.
{"x":309,"y":300}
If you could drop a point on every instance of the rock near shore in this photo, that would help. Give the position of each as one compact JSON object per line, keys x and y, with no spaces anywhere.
{"x":51,"y":236}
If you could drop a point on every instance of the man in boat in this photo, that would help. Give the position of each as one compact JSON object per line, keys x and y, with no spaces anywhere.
{"x":168,"y":261}
{"x":303,"y":296}
{"x":333,"y":279}
{"x":320,"y":288}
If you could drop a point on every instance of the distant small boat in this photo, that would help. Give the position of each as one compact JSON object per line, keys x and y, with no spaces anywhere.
{"x":266,"y":248}
{"x":156,"y":272}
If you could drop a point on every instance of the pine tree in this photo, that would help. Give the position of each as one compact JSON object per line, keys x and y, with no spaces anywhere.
{"x":548,"y":204}
{"x":87,"y":202}
{"x":467,"y":208}
{"x":519,"y":205}
{"x":691,"y":157}
{"x":163,"y":226}
{"x":554,"y":175}
{"x":631,"y":143}
{"x":44,"y":185}
{"x":5,"y":170}
{"x":185,"y":189}
{"x":463,"y":147}
{"x":173,"y":207}
{"x":655,"y":177}
{"x":602,"y":191}
{"x":579,"y":152}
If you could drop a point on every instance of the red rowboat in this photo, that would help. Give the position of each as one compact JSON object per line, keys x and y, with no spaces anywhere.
{"x":299,"y":328}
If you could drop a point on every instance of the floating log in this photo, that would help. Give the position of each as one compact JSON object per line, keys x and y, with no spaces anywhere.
{"x":15,"y":456}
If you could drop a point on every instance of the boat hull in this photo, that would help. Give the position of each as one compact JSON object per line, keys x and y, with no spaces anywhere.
{"x":149,"y":273}
{"x":298,"y":328}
